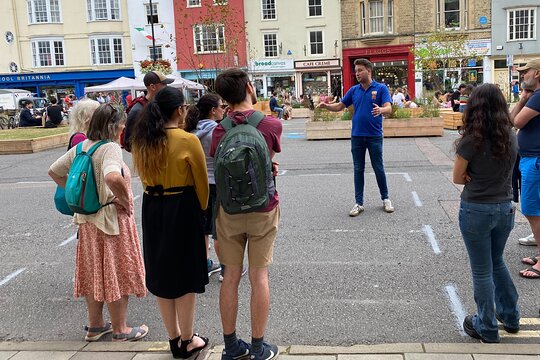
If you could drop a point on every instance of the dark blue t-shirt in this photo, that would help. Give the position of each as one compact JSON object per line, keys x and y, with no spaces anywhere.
{"x":363,"y":123}
{"x":529,"y":145}
{"x":273,"y":103}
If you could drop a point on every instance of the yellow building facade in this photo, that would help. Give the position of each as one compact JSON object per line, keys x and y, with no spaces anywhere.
{"x":57,"y":47}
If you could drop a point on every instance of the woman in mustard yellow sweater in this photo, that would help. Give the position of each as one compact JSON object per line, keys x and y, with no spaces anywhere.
{"x":172,"y":168}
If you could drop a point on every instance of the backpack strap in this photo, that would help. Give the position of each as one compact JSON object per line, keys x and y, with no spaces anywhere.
{"x":95,"y":147}
{"x":227,"y":123}
{"x":254,"y":120}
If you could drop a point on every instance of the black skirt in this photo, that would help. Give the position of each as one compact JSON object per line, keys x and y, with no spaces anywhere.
{"x":173,"y":244}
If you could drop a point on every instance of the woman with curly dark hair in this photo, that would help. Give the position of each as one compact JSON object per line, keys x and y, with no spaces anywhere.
{"x":485,"y":156}
{"x":172,"y":169}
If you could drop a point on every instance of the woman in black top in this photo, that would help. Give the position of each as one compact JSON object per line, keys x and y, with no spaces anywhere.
{"x":485,"y":155}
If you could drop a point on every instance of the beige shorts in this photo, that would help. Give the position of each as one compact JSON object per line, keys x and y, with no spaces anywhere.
{"x":257,"y":230}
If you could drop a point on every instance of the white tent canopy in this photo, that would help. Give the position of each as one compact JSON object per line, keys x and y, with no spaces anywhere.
{"x":122,"y":83}
{"x":179,"y":82}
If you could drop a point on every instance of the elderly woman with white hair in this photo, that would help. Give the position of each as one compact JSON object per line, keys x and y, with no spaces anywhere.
{"x":79,"y":118}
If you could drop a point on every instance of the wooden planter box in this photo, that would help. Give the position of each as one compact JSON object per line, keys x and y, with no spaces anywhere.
{"x":262,"y":105}
{"x":452,"y":120}
{"x":302,"y":113}
{"x":33,"y":145}
{"x":413,"y":127}
{"x":341,"y":129}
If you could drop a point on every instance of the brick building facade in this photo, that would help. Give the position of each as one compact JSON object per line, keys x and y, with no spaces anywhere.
{"x":384,"y":31}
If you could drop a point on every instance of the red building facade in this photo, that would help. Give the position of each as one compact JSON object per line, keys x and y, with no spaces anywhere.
{"x":392,"y":64}
{"x":210,"y":37}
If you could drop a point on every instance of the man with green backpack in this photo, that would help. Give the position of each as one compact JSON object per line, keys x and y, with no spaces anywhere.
{"x":243,"y":145}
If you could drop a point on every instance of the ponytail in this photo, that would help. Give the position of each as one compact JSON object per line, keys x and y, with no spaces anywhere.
{"x":149,"y":142}
{"x":192,"y":118}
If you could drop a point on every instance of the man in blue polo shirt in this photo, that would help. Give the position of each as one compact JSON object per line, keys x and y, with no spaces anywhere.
{"x":371,"y":101}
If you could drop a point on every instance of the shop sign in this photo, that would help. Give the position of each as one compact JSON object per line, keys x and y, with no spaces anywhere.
{"x":310,"y":64}
{"x":270,"y":65}
{"x":15,"y":78}
{"x":479,"y":47}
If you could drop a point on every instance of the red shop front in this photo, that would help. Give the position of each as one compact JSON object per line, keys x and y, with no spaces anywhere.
{"x":392,"y":64}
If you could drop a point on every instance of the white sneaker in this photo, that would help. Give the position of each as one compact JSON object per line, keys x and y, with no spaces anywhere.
{"x":528,"y":240}
{"x":356,"y":210}
{"x":387,"y":206}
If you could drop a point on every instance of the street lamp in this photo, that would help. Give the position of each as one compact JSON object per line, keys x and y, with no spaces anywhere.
{"x":154,"y":57}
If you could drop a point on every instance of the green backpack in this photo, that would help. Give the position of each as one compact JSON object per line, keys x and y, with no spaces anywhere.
{"x":81,"y":190}
{"x":243,"y":168}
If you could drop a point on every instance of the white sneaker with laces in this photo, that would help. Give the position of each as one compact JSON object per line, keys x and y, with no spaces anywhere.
{"x":356,"y":210}
{"x":528,"y":240}
{"x":387,"y":206}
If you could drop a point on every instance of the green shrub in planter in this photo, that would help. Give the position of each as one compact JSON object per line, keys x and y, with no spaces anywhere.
{"x":296,"y":106}
{"x":346,"y":115}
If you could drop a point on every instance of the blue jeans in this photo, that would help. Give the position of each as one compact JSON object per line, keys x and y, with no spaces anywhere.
{"x":374,"y":145}
{"x":279,"y":111}
{"x":485,"y":229}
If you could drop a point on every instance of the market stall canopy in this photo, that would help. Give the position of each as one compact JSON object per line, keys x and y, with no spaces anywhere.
{"x":122,"y":83}
{"x":179,"y":82}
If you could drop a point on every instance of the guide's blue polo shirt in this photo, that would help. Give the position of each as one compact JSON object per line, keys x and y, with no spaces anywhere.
{"x":363,"y":123}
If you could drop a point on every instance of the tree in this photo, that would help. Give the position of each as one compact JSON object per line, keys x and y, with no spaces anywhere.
{"x":440,"y":51}
{"x":223,"y":32}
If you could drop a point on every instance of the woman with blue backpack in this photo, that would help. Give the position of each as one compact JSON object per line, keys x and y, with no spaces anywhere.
{"x":171,"y":165}
{"x":109,"y":264}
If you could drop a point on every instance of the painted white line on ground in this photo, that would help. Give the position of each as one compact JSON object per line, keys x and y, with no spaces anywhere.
{"x":406,"y":176}
{"x":416,"y":199}
{"x":456,"y":307}
{"x":431,"y":237}
{"x":70,"y":239}
{"x":282,"y":172}
{"x":136,"y":197}
{"x":320,"y":175}
{"x":35,"y":182}
{"x":11,"y":276}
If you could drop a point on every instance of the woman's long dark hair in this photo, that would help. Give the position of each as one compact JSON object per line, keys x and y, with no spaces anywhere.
{"x":486,"y":118}
{"x":149,"y":139}
{"x":201,"y":111}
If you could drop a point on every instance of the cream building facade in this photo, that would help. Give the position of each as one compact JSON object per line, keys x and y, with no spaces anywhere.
{"x":293,"y":45}
{"x":57,"y":47}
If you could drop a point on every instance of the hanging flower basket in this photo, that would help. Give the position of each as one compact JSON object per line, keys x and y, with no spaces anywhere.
{"x":159,"y":65}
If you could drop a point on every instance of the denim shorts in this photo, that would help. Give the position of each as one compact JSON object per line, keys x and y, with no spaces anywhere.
{"x":530,"y":186}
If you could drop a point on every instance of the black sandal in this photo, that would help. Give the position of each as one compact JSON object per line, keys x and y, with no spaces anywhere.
{"x":175,"y":349}
{"x":183,"y":351}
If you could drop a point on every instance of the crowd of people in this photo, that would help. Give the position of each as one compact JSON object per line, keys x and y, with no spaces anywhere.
{"x":175,"y":150}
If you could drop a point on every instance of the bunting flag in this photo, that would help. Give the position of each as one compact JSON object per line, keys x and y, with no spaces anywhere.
{"x":144,"y":33}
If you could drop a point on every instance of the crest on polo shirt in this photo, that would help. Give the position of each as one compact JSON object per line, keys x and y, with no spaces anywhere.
{"x":374,"y":95}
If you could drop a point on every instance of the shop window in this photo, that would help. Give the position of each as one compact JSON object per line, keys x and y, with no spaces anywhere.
{"x":315,"y":7}
{"x":452,"y":14}
{"x":268,"y":9}
{"x":43,"y":11}
{"x":316,"y":45}
{"x":159,"y":52}
{"x":106,"y":51}
{"x":151,"y":14}
{"x":209,"y":38}
{"x":194,"y":3}
{"x":376,"y":16}
{"x":270,"y":45}
{"x":521,"y":24}
{"x":48,"y":52}
{"x":103,"y":10}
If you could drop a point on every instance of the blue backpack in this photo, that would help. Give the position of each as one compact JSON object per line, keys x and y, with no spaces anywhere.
{"x":82,"y":195}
